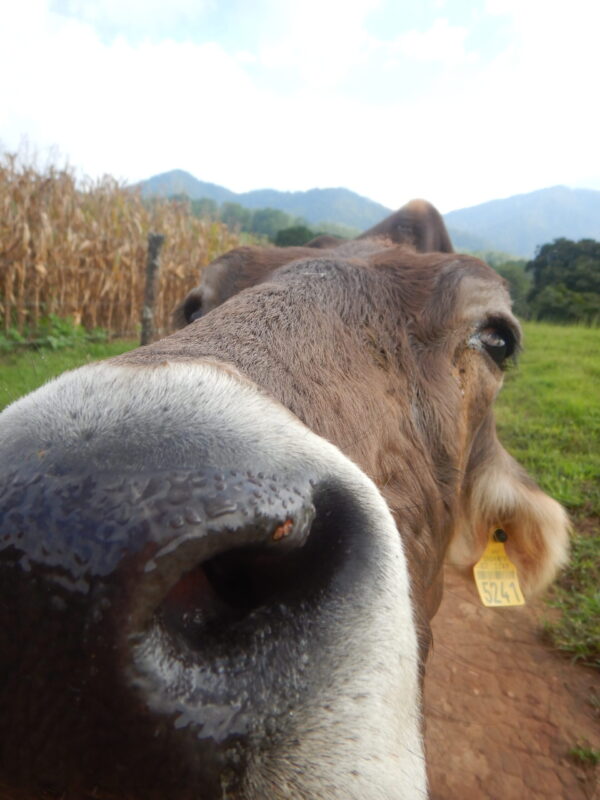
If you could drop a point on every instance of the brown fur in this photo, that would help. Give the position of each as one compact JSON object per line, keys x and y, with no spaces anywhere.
{"x":368,"y":344}
{"x":231,"y":273}
{"x":418,"y":224}
{"x":325,"y":242}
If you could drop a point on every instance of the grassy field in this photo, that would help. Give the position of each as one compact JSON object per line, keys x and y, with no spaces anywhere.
{"x":548,"y":418}
{"x":23,"y":371}
{"x":549,"y":413}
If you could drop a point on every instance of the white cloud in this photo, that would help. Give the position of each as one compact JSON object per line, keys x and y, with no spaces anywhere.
{"x":525,"y":119}
{"x":442,"y":42}
{"x":246,"y":57}
{"x":140,"y":15}
{"x":320,"y":40}
{"x":545,"y":85}
{"x":116,"y":108}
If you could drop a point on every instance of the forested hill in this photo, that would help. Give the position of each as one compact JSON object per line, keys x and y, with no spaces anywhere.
{"x":521,"y":223}
{"x":315,"y":206}
{"x":178,"y":182}
{"x":515,"y":225}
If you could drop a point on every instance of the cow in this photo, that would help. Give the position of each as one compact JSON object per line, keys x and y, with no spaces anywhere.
{"x":220,"y":553}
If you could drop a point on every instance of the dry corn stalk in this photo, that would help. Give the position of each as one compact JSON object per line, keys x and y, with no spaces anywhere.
{"x":80,"y":252}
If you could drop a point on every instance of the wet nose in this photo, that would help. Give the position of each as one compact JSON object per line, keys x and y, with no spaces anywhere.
{"x":188,"y":576}
{"x":194,"y":550}
{"x":144,"y":533}
{"x":127,"y":599}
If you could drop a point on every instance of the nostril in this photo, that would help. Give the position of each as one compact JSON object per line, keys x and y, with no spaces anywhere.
{"x":245,"y":580}
{"x":232,"y":612}
{"x":227,"y":588}
{"x":261,"y":569}
{"x":192,"y":604}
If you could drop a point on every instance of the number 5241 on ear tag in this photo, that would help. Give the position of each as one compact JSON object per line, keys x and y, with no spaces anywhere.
{"x":496,"y":576}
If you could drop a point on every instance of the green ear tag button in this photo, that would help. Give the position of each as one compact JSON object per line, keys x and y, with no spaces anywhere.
{"x":496,"y":576}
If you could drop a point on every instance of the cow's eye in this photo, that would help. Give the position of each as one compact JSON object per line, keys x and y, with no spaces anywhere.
{"x":499,"y":343}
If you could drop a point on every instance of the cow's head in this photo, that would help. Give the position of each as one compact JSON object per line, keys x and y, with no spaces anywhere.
{"x":220,"y":553}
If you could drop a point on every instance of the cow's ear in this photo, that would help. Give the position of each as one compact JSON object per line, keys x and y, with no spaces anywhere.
{"x":499,"y":493}
{"x":418,"y":224}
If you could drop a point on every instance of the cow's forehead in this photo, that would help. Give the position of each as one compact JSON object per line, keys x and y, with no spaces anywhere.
{"x":442,"y":288}
{"x":460,"y":289}
{"x":477,"y":290}
{"x":478,"y":296}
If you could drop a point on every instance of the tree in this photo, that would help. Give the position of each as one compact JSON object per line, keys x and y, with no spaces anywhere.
{"x":268,"y":221}
{"x":563,"y":305}
{"x":566,"y":281}
{"x":205,"y":207}
{"x":236,"y":216}
{"x":576,"y":265}
{"x":295,"y":235}
{"x":519,"y":283}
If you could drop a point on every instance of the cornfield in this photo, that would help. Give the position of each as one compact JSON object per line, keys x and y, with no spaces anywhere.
{"x":81,"y":252}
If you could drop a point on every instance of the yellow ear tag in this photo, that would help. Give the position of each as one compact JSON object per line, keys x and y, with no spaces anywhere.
{"x":496,"y":576}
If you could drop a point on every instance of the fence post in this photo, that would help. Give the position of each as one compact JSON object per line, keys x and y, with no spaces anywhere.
{"x":155,"y":242}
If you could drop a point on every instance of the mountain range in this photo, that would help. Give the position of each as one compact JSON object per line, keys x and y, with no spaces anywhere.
{"x":315,"y":206}
{"x":519,"y":224}
{"x":515,"y":225}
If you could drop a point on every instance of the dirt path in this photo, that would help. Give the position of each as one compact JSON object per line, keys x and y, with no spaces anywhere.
{"x":502,"y":710}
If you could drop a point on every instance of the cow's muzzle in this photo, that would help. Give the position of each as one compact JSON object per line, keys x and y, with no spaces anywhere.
{"x":199,"y":599}
{"x":155,"y":628}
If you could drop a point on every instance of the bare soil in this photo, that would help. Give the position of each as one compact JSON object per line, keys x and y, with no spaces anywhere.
{"x":502,"y":709}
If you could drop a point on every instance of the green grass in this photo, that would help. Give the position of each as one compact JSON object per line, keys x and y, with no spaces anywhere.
{"x":52,"y":332}
{"x":577,"y":596}
{"x":584,"y":754}
{"x":548,"y":413}
{"x":548,"y":417}
{"x":24,"y":371}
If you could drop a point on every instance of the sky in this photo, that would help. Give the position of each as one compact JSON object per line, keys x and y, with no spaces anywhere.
{"x":454,"y":101}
